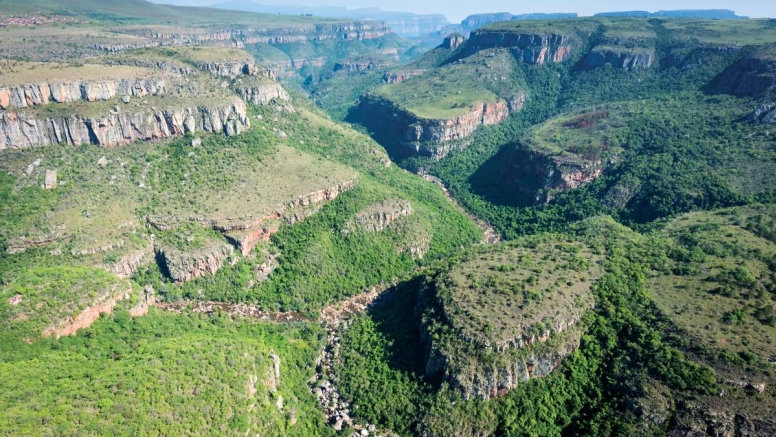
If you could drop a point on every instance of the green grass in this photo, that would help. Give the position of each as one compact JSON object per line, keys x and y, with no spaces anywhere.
{"x":517,"y":292}
{"x":454,"y":89}
{"x":728,"y":32}
{"x":722,"y":292}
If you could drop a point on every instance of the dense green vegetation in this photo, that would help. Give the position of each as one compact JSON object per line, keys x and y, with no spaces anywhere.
{"x":162,"y":374}
{"x":593,"y":392}
{"x":656,"y":279}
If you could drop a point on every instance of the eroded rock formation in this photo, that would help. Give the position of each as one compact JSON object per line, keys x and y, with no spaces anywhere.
{"x":24,"y":96}
{"x":537,"y":49}
{"x":23,"y":130}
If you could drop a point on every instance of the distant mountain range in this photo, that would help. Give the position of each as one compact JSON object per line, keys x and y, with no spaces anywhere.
{"x":719,"y":14}
{"x":404,"y":24}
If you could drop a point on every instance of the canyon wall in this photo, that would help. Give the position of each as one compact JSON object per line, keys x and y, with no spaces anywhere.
{"x":22,"y":130}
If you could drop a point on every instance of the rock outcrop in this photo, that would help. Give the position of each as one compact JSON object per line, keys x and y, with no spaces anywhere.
{"x":63,"y":92}
{"x":532,"y":173}
{"x":379,"y":216}
{"x":261,"y":92}
{"x":22,"y":130}
{"x":191,"y":264}
{"x":484,"y":340}
{"x":401,"y":76}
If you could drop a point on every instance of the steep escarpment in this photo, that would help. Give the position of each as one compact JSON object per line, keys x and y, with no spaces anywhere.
{"x":91,"y":91}
{"x":625,"y":44}
{"x":531,"y":48}
{"x":503,"y":317}
{"x":429,"y":117}
{"x":435,"y":137}
{"x":22,"y":130}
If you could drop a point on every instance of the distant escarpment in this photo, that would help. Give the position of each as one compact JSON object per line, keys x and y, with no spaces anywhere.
{"x":239,"y":37}
{"x":502,"y":317}
{"x":531,"y":48}
{"x":618,"y":58}
{"x":117,"y":127}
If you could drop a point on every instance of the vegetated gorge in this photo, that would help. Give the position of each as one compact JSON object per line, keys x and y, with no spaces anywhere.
{"x":221,"y":222}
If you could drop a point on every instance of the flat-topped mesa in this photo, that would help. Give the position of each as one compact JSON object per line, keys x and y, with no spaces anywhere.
{"x":434,"y":136}
{"x":22,"y":130}
{"x":531,"y":48}
{"x":24,"y":96}
{"x":506,"y":315}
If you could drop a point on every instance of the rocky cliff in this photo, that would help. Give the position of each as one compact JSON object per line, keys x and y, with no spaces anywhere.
{"x":22,"y":130}
{"x":437,"y":137}
{"x":42,"y":94}
{"x":399,"y":77}
{"x":185,"y":265}
{"x":261,"y":92}
{"x":533,"y":173}
{"x":531,"y":48}
{"x":627,"y":60}
{"x":379,"y":216}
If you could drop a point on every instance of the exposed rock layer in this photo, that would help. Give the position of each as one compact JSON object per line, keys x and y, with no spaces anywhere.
{"x":22,"y":130}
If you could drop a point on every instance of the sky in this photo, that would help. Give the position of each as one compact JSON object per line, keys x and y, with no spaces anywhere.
{"x":457,"y":10}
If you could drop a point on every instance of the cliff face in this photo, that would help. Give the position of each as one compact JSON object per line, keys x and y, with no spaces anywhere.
{"x":530,"y":173}
{"x":379,"y":216}
{"x":438,"y":137}
{"x":401,"y":76}
{"x":21,"y":130}
{"x":619,"y":59}
{"x":188,"y":265}
{"x":261,"y":92}
{"x":42,"y":94}
{"x":148,"y":37}
{"x":537,"y":49}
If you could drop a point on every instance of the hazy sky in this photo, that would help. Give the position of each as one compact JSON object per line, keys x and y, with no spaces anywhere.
{"x":456,"y":10}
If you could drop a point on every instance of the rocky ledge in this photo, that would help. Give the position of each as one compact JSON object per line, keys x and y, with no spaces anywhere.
{"x":185,"y":265}
{"x":24,"y":96}
{"x":437,"y":137}
{"x":22,"y":130}
{"x":378,"y":216}
{"x":261,"y":91}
